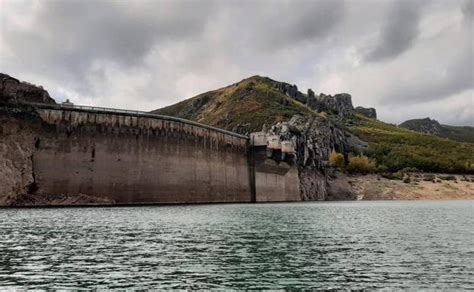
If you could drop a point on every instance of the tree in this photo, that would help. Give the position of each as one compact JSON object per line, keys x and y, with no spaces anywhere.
{"x":337,"y":161}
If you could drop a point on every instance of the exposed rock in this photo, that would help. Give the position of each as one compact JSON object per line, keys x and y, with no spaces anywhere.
{"x":368,"y":112}
{"x":427,"y":126}
{"x":13,"y":91}
{"x":339,"y":104}
{"x":17,"y":143}
{"x":315,"y":138}
{"x":288,"y":89}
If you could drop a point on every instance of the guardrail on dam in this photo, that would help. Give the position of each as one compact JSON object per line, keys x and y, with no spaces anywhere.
{"x":131,"y":157}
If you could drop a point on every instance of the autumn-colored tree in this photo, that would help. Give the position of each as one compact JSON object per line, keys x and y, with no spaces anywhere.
{"x":336,"y":160}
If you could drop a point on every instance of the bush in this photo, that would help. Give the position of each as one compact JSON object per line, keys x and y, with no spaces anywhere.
{"x":448,"y":177}
{"x":407,"y":180}
{"x":336,"y":160}
{"x":360,"y":164}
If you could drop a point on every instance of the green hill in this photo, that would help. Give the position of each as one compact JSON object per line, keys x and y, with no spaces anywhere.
{"x":243,"y":107}
{"x":250,"y":104}
{"x":397,"y":148}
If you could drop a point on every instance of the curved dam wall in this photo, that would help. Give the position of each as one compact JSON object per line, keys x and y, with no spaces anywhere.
{"x":123,"y":158}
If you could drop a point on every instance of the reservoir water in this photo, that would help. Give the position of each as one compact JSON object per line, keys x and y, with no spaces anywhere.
{"x":350,"y":245}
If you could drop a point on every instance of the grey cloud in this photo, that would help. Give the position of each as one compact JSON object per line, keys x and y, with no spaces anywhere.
{"x":468,"y":9}
{"x":275,"y":25}
{"x":399,"y":33}
{"x":146,"y":54}
{"x":69,"y":36}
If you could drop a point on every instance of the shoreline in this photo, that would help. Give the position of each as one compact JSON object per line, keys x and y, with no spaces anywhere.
{"x":413,"y":186}
{"x":370,"y":187}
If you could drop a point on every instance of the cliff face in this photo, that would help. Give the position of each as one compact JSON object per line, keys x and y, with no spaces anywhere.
{"x":315,"y":138}
{"x":17,"y":144}
{"x":368,"y":112}
{"x":19,"y":128}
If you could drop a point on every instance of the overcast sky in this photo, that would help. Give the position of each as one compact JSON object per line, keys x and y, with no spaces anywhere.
{"x":409,"y":59}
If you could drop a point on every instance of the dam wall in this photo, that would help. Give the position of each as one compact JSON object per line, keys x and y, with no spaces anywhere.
{"x":276,"y":180}
{"x":125,"y":158}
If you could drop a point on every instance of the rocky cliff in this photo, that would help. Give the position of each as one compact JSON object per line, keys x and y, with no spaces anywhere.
{"x":368,"y":112}
{"x":19,"y":127}
{"x":13,"y":91}
{"x":315,"y":138}
{"x":339,"y":104}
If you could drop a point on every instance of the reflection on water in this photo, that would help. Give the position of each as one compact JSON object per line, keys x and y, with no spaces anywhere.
{"x":299,"y":245}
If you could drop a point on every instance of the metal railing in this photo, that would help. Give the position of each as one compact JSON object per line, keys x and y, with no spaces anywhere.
{"x":135,"y":113}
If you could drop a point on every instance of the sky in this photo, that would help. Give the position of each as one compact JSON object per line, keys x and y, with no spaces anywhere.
{"x":407,"y":58}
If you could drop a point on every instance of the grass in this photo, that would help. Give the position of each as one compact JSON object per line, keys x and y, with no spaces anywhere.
{"x":248,"y":104}
{"x":397,"y":148}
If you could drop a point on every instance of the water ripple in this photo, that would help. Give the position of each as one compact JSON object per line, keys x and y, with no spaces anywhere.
{"x":352,"y":245}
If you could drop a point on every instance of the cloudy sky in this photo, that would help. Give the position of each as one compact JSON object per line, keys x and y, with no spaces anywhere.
{"x":407,"y":58}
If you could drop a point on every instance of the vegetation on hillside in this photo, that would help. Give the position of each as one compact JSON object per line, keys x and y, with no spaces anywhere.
{"x":251,"y":103}
{"x":461,"y":134}
{"x":244,"y":106}
{"x":430,"y":126}
{"x":396,"y":148}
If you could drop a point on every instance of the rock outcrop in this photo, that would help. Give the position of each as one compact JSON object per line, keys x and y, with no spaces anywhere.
{"x":426,"y":125}
{"x":17,"y":131}
{"x":13,"y":91}
{"x":339,"y":104}
{"x":368,"y":112}
{"x":315,"y":138}
{"x":19,"y":127}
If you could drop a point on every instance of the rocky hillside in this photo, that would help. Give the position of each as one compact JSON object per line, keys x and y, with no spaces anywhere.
{"x":250,"y":104}
{"x":258,"y":103}
{"x":18,"y":128}
{"x":433,"y":127}
{"x":13,"y":90}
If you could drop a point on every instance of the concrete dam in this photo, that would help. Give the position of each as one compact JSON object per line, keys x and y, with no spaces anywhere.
{"x":129,"y":157}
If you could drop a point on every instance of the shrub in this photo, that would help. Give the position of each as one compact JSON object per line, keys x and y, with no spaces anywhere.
{"x":360,"y":164}
{"x":336,"y":160}
{"x":407,"y":180}
{"x":382,"y":168}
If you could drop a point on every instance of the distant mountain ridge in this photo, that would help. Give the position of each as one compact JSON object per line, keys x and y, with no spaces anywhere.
{"x":433,"y":127}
